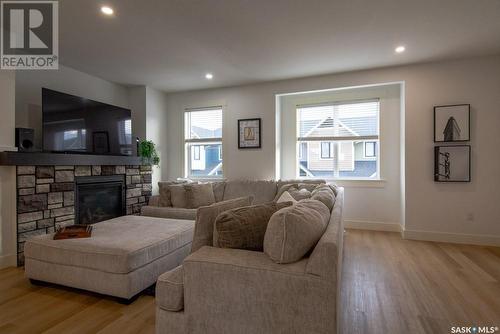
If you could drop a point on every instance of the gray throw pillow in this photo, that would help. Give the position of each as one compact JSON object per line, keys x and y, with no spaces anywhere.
{"x":244,"y":228}
{"x":205,"y":219}
{"x":325,"y":195}
{"x":293,"y":231}
{"x":178,"y":195}
{"x":197,"y":195}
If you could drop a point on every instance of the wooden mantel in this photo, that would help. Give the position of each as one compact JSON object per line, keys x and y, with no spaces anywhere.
{"x":60,"y":159}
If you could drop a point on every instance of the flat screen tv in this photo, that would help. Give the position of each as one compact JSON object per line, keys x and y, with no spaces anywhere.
{"x":73,"y":124}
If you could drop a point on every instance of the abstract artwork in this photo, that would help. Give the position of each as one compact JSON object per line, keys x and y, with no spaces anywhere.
{"x":452,"y":123}
{"x":249,"y":133}
{"x":452,"y":163}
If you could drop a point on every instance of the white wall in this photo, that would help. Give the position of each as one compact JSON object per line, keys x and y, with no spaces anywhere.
{"x":67,"y":80}
{"x":7,"y":174}
{"x":156,"y":126}
{"x":431,"y":210}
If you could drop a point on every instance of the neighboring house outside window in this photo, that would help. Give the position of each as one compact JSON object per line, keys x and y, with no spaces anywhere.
{"x":335,"y":135}
{"x":203,"y":142}
{"x":370,"y":149}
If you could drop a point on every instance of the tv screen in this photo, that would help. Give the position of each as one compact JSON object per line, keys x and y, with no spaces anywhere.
{"x":75,"y":124}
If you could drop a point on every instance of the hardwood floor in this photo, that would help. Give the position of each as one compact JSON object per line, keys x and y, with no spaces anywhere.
{"x":390,"y":285}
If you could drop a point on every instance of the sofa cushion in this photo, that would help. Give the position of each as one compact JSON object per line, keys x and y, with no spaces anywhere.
{"x":262,"y":191}
{"x":293,"y":231}
{"x":324,"y":194}
{"x":164,"y":190}
{"x":168,"y":212}
{"x":118,"y":245}
{"x":205,"y":219}
{"x":286,"y":197}
{"x":170,"y":290}
{"x":244,"y":228}
{"x":178,"y":195}
{"x":201,"y":194}
{"x":291,"y":187}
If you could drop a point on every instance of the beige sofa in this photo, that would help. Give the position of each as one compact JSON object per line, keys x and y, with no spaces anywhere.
{"x":262,"y":192}
{"x":237,"y":291}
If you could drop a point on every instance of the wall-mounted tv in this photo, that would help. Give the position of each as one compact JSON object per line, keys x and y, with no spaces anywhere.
{"x":73,"y":124}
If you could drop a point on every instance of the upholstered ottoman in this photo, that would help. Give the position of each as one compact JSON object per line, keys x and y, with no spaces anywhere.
{"x":123,"y":257}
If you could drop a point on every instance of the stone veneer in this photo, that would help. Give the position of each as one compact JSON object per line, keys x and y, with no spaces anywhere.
{"x":46,"y":196}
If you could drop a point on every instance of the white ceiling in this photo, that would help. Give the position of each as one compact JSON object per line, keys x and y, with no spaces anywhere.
{"x":170,"y":45}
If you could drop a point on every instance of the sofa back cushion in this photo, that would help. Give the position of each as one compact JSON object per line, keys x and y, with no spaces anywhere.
{"x":244,"y":228}
{"x":293,"y":231}
{"x":205,"y":219}
{"x":262,"y":191}
{"x":177,"y":195}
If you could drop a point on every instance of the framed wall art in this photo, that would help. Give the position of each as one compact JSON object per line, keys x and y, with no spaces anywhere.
{"x":452,"y":163}
{"x":452,"y":123}
{"x":249,"y":133}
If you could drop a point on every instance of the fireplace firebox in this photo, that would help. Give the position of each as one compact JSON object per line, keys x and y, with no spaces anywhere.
{"x":99,"y":198}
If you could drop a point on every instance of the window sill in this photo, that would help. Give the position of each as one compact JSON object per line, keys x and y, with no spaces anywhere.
{"x":359,"y":183}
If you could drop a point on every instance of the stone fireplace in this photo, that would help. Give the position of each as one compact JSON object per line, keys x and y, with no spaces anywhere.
{"x":52,"y":196}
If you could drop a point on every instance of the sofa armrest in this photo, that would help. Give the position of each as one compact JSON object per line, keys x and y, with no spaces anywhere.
{"x":230,"y":291}
{"x":154,"y":200}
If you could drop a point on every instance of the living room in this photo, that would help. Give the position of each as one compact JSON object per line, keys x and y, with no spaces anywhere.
{"x":372,"y":123}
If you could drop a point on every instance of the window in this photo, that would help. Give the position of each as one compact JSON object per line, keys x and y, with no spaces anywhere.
{"x":370,"y":149}
{"x":203,"y":142}
{"x":326,"y":150}
{"x":341,"y":138}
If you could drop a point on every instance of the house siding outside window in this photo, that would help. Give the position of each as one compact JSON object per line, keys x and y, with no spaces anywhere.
{"x":336,"y":135}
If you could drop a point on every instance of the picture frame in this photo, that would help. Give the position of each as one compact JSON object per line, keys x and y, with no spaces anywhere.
{"x":249,"y":133}
{"x":100,"y":142}
{"x":452,"y":163}
{"x":452,"y":123}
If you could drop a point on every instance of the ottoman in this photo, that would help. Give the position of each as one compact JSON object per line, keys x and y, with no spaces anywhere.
{"x":124,"y":256}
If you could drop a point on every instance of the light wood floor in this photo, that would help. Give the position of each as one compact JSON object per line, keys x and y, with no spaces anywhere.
{"x":390,"y":285}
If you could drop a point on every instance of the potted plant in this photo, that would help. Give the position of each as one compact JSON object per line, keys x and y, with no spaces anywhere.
{"x":148,"y":153}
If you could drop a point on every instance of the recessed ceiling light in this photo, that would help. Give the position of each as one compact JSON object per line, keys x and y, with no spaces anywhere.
{"x":107,"y":10}
{"x":400,"y":49}
{"x":209,"y":76}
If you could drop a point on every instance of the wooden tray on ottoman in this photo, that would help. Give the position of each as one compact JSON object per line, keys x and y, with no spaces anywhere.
{"x":73,"y":232}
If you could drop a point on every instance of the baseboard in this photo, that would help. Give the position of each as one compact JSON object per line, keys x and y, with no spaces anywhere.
{"x":8,"y":261}
{"x":372,"y":225}
{"x":457,"y":238}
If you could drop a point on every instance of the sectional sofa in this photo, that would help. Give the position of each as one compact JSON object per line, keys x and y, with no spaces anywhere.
{"x":219,"y":290}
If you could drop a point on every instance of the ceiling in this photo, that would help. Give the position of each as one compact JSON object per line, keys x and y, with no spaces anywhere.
{"x":170,"y":45}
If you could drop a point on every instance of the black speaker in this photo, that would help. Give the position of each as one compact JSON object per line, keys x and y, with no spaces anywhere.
{"x":25,"y":139}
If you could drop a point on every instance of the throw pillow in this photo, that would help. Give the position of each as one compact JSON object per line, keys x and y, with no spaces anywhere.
{"x":297,"y":185}
{"x":197,"y":195}
{"x":165,"y":196}
{"x":178,"y":195}
{"x":205,"y":219}
{"x":286,"y":197}
{"x":244,"y":228}
{"x":299,"y":194}
{"x":293,"y":231}
{"x":325,"y":195}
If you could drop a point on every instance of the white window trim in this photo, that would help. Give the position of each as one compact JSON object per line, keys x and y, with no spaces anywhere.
{"x":376,"y":182}
{"x":202,"y":141}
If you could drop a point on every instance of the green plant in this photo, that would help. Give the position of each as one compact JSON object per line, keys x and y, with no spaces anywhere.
{"x":147,"y":151}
